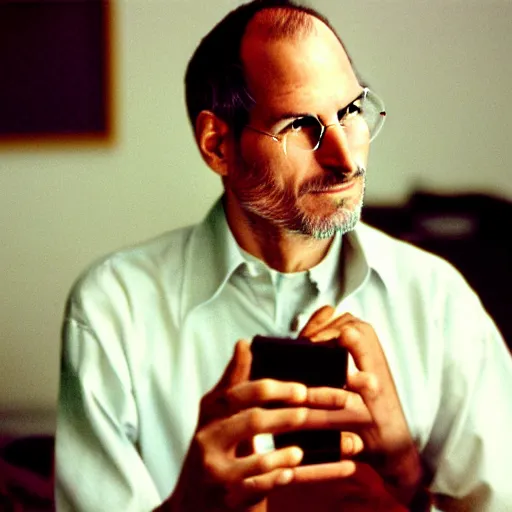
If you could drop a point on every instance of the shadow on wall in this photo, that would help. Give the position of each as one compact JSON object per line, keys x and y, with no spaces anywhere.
{"x":470,"y":231}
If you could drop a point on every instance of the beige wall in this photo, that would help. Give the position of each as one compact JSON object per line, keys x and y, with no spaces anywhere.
{"x":442,"y":66}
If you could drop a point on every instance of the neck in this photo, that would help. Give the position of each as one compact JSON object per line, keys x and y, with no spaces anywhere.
{"x":280,"y":249}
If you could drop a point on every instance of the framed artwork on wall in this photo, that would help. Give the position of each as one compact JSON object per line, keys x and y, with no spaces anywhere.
{"x":55,"y":70}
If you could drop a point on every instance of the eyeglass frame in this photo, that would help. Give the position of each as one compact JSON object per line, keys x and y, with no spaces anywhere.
{"x":364,"y":94}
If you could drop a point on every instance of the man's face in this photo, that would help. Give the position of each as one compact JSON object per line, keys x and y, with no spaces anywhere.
{"x":313,"y":193}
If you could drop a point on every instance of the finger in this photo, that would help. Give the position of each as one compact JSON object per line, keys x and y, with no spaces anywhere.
{"x":359,"y":338}
{"x":346,"y":485}
{"x":357,"y":478}
{"x":255,"y":488}
{"x":264,"y":392}
{"x":317,"y":320}
{"x":324,"y":472}
{"x":326,"y":334}
{"x":331,"y":398}
{"x":368,"y":387}
{"x":365,"y":476}
{"x":262,"y":473}
{"x":215,"y":404}
{"x":365,"y":384}
{"x":238,"y":368}
{"x":258,"y":464}
{"x":330,"y":328}
{"x":254,"y":397}
{"x":351,"y":444}
{"x":382,"y":410}
{"x":250,"y":422}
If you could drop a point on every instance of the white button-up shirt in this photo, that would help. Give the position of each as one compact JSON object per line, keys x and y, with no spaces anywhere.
{"x":149,"y":330}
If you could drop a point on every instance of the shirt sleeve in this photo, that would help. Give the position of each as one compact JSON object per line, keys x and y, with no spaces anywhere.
{"x":470,"y":444}
{"x":98,"y":466}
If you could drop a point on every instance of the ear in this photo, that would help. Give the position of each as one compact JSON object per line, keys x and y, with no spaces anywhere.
{"x":213,"y":138}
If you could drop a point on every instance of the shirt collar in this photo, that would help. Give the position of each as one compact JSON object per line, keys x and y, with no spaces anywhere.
{"x":212,"y":255}
{"x":321,"y":275}
{"x":380,"y":252}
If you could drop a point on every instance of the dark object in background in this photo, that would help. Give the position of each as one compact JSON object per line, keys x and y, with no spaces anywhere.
{"x":314,"y":364}
{"x":26,"y":474}
{"x":471,"y":231}
{"x":55,"y":62}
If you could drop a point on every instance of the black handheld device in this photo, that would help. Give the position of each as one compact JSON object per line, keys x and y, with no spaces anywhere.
{"x":315,"y":364}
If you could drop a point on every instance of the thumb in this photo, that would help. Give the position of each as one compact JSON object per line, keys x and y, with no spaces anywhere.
{"x":238,"y":368}
{"x":318,"y":320}
{"x":214,"y":404}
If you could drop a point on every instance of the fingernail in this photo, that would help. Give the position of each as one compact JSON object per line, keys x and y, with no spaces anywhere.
{"x":285,"y":477}
{"x":297,"y":454}
{"x":348,"y":444}
{"x":301,"y":393}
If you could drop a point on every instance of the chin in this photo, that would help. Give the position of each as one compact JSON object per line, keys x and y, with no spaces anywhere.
{"x":322,"y":227}
{"x":328,"y":215}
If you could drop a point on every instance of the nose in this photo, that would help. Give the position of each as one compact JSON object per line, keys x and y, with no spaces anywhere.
{"x":335,"y":150}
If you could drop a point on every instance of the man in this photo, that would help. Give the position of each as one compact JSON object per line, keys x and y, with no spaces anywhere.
{"x":156,"y":406}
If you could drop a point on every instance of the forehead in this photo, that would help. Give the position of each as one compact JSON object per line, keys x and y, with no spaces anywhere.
{"x":309,"y":73}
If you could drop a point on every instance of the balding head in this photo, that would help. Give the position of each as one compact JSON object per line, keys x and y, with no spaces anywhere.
{"x":215,"y":79}
{"x":280,"y":23}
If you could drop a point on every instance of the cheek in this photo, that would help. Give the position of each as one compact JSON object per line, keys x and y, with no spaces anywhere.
{"x":257,"y":153}
{"x":362,"y":156}
{"x":296,"y":169}
{"x":269,"y":162}
{"x":361,"y":148}
{"x":358,"y":136}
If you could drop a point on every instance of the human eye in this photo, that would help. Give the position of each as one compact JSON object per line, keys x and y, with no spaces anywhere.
{"x":302,"y":123}
{"x":352,"y":110}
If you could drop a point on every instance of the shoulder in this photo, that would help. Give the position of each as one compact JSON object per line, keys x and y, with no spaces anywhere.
{"x":433,"y":298}
{"x":417,"y":277}
{"x":133,"y":272}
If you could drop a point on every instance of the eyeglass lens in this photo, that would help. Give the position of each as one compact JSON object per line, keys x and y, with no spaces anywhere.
{"x":364,"y":115}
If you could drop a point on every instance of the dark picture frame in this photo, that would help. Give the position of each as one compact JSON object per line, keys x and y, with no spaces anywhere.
{"x":55,"y":70}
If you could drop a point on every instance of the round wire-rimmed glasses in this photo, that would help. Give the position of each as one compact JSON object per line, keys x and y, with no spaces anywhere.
{"x":366,"y":114}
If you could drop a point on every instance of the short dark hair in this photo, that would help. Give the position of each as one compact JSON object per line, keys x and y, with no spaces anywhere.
{"x":215,"y":79}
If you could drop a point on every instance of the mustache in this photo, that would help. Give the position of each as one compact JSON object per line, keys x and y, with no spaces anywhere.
{"x":330,"y":180}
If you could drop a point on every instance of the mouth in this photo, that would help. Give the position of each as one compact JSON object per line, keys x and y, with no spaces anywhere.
{"x":332,"y":187}
{"x":336,"y":189}
{"x":339,"y":188}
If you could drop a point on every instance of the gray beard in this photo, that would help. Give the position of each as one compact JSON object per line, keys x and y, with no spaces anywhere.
{"x":343,"y":221}
{"x":263,"y":198}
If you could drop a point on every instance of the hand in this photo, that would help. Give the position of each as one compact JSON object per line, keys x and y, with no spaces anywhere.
{"x":373,"y":413}
{"x":358,"y":490}
{"x":220,"y":471}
